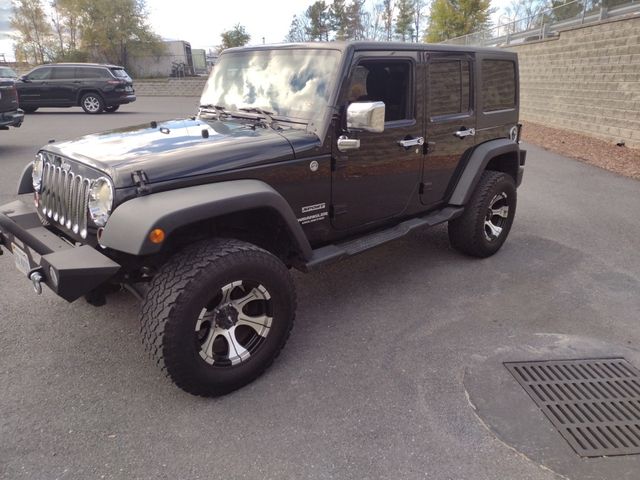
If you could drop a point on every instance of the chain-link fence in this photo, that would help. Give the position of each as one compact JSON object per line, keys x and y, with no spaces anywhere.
{"x":548,"y":22}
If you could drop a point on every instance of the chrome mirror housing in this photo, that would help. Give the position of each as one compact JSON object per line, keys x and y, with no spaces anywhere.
{"x":366,"y":116}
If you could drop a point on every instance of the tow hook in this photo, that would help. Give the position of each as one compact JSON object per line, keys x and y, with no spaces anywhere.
{"x":36,"y":279}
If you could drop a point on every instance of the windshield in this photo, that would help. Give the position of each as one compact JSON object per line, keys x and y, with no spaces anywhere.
{"x":288,"y":83}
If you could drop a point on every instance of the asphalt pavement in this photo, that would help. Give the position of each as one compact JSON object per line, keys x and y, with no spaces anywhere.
{"x":370,"y":384}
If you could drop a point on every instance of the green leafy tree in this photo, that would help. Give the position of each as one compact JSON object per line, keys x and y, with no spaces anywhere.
{"x":319,"y":21}
{"x":339,"y":19}
{"x":453,"y":18}
{"x":356,"y":20}
{"x":236,"y":37}
{"x":116,"y":30}
{"x":404,"y":21}
{"x":34,"y":35}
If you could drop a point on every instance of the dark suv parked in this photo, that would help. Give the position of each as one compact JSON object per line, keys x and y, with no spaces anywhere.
{"x":301,"y":155}
{"x":10,"y":114}
{"x":95,"y":88}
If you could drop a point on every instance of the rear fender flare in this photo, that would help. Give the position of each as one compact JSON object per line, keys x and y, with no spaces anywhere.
{"x":477,"y":164}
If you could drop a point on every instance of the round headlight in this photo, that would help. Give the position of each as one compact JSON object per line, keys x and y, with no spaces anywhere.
{"x":100,"y":201}
{"x":36,"y":173}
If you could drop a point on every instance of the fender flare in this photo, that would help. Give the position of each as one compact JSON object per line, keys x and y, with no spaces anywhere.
{"x":25,"y":184}
{"x":128,"y":228}
{"x":477,"y":163}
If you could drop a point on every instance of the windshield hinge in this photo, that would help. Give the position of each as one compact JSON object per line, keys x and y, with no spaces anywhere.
{"x":140,"y":180}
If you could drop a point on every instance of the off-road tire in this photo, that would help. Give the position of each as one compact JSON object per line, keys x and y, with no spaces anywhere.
{"x":111,"y":108}
{"x":177,"y":296}
{"x":92,"y":103}
{"x":467,"y":232}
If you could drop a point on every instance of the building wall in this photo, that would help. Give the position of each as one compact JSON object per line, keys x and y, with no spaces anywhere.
{"x":586,"y":80}
{"x":170,"y":87}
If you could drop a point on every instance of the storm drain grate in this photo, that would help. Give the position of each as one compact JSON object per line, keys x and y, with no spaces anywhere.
{"x":594,"y":403}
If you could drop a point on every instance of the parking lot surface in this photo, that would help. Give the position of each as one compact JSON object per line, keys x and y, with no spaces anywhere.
{"x":370,"y":384}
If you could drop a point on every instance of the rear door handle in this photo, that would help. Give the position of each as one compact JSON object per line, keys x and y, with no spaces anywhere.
{"x":410,"y":142}
{"x":465,"y":132}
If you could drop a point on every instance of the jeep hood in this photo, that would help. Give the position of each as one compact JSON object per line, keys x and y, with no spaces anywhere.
{"x":181,"y":148}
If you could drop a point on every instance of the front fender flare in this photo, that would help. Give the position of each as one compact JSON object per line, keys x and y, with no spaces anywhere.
{"x":477,"y":163}
{"x":128,"y":228}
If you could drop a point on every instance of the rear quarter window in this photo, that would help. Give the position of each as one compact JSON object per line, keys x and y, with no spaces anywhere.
{"x":498,"y":85}
{"x":89,"y":72}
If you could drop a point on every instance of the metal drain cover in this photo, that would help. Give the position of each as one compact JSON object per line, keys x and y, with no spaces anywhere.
{"x":593,"y":403}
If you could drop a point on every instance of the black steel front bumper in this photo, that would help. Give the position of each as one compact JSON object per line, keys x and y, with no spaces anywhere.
{"x":13,"y":118}
{"x":68,"y":270}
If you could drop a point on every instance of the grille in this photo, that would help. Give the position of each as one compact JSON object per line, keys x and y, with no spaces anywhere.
{"x":593,"y":403}
{"x":64,"y":195}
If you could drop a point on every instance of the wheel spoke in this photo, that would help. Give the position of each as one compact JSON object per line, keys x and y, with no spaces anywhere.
{"x":494,"y":230}
{"x":257,"y":293}
{"x":260,"y":324}
{"x":237,"y":353}
{"x":206,"y":352}
{"x":226,"y":292}
{"x":501,"y":211}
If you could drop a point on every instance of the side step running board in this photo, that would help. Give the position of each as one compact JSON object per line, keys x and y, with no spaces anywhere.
{"x":331,"y":253}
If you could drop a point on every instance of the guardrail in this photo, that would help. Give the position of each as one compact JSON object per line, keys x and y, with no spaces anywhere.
{"x":547,"y":23}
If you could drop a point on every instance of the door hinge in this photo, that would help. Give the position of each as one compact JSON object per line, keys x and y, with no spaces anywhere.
{"x":140,"y":180}
{"x":338,"y":209}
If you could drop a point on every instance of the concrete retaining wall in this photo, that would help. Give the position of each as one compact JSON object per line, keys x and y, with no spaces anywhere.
{"x":587,"y":80}
{"x":170,"y":87}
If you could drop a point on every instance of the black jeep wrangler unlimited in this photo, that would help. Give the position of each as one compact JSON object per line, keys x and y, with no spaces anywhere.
{"x":300,"y":155}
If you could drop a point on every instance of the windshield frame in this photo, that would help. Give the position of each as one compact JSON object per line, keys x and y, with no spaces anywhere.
{"x":318,"y":122}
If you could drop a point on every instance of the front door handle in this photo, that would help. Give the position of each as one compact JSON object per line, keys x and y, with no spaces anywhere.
{"x":411,"y":142}
{"x":346,"y":144}
{"x":465,"y":132}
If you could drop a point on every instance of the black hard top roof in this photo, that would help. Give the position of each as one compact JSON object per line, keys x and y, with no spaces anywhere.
{"x":369,"y":45}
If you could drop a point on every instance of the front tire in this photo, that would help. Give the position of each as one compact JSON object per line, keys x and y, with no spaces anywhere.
{"x":217,"y":314}
{"x":485,"y":224}
{"x":92,"y":103}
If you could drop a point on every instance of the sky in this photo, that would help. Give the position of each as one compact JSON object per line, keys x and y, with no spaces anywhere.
{"x":201,"y":22}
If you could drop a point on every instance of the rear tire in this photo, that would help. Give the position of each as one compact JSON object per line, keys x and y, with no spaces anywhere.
{"x":217,"y":314}
{"x":29,"y":109}
{"x":92,"y":103}
{"x":487,"y":218}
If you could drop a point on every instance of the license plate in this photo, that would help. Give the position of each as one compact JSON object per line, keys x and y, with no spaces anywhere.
{"x":21,"y":259}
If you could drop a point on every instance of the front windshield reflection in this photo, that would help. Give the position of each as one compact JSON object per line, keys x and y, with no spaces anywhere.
{"x":289,"y":83}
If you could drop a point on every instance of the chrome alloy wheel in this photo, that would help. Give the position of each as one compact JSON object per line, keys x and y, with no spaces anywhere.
{"x":92,"y":104}
{"x":496,"y":217}
{"x":235,"y":324}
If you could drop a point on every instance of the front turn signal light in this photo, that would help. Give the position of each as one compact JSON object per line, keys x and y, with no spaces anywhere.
{"x":157,"y":236}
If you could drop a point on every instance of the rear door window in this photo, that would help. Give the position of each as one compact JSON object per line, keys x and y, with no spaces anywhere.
{"x":62,"y":73}
{"x":498,"y":85}
{"x":449,"y":87}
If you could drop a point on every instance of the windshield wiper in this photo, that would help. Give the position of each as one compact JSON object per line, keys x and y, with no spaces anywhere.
{"x":217,"y":110}
{"x":266,"y":113}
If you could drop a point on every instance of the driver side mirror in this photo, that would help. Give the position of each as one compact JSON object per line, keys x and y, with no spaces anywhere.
{"x":24,"y":79}
{"x":366,"y":116}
